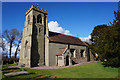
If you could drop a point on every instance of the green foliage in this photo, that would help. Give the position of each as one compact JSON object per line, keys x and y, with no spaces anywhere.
{"x":106,"y":42}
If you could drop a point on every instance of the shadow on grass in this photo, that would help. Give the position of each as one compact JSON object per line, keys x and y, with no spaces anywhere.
{"x":12,"y":77}
{"x":62,"y":79}
{"x":10,"y":69}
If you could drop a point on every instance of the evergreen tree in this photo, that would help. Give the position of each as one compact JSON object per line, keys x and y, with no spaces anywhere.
{"x":106,"y":42}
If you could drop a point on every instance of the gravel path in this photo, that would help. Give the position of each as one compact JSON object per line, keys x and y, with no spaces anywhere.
{"x":56,"y":67}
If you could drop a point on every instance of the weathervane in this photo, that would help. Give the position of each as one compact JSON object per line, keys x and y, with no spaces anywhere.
{"x":36,"y":4}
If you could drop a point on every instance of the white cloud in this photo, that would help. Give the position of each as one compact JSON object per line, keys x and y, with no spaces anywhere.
{"x":86,"y":38}
{"x":7,"y":47}
{"x":54,"y":26}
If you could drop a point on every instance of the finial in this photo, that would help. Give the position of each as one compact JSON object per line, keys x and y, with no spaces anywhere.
{"x":38,"y":7}
{"x":32,"y":6}
{"x":77,"y":35}
{"x":42,"y":9}
{"x":36,"y":4}
{"x":46,"y":11}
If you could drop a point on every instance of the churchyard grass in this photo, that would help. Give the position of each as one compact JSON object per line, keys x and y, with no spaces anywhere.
{"x":95,"y":70}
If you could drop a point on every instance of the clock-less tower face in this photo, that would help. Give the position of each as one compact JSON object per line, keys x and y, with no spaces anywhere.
{"x":32,"y":51}
{"x":38,"y":38}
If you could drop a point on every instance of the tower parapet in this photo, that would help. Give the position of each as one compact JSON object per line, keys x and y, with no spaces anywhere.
{"x":34,"y":39}
{"x":37,"y":9}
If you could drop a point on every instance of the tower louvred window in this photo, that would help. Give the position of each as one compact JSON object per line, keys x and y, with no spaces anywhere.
{"x":34,"y":19}
{"x":28,"y":19}
{"x":39,"y":19}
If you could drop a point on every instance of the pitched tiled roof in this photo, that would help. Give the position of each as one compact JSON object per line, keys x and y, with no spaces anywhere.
{"x":88,"y":44}
{"x":61,"y":51}
{"x":62,"y":38}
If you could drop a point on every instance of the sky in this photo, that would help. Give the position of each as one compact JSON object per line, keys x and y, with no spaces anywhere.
{"x":70,"y":18}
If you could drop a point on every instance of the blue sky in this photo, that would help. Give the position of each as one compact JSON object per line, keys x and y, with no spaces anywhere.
{"x":77,"y":17}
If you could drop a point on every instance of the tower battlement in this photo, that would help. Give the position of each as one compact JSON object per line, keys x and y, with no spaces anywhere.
{"x":37,"y":9}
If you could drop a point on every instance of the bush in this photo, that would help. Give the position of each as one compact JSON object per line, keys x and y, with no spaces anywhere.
{"x":10,"y":60}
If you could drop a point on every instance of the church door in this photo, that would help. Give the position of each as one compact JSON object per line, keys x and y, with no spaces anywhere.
{"x":67,"y":60}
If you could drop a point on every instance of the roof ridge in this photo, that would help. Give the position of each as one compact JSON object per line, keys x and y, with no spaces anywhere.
{"x":85,"y":43}
{"x":65,"y":34}
{"x":69,"y":36}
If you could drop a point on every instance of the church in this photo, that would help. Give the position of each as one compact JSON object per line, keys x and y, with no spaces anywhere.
{"x":41,"y":47}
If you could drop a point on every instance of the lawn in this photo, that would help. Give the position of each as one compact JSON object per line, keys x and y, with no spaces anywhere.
{"x":95,"y":70}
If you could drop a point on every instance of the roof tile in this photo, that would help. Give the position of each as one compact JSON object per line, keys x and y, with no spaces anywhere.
{"x":62,"y":38}
{"x":60,"y":52}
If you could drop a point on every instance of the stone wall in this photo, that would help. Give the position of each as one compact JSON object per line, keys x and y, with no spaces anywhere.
{"x":54,"y":48}
{"x":32,"y":51}
{"x":38,"y":40}
{"x":25,"y":52}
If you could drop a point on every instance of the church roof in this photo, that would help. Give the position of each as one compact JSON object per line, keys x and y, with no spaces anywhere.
{"x":88,"y":44}
{"x":61,"y":51}
{"x":67,"y":39}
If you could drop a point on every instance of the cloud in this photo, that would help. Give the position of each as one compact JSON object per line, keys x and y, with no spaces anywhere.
{"x":54,"y":26}
{"x":87,"y":39}
{"x":7,"y":47}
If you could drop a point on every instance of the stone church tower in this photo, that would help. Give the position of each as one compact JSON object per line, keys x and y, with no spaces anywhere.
{"x":34,"y":47}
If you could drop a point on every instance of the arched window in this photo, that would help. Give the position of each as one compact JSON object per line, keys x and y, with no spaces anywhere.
{"x":39,"y":30}
{"x":34,"y":19}
{"x":28,"y":19}
{"x":26,"y":49}
{"x":82,"y":53}
{"x":39,"y":19}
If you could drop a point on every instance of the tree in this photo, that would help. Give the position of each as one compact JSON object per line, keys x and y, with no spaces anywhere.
{"x":10,"y":36}
{"x":3,"y":51}
{"x":18,"y":44}
{"x":106,"y":42}
{"x":98,"y":40}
